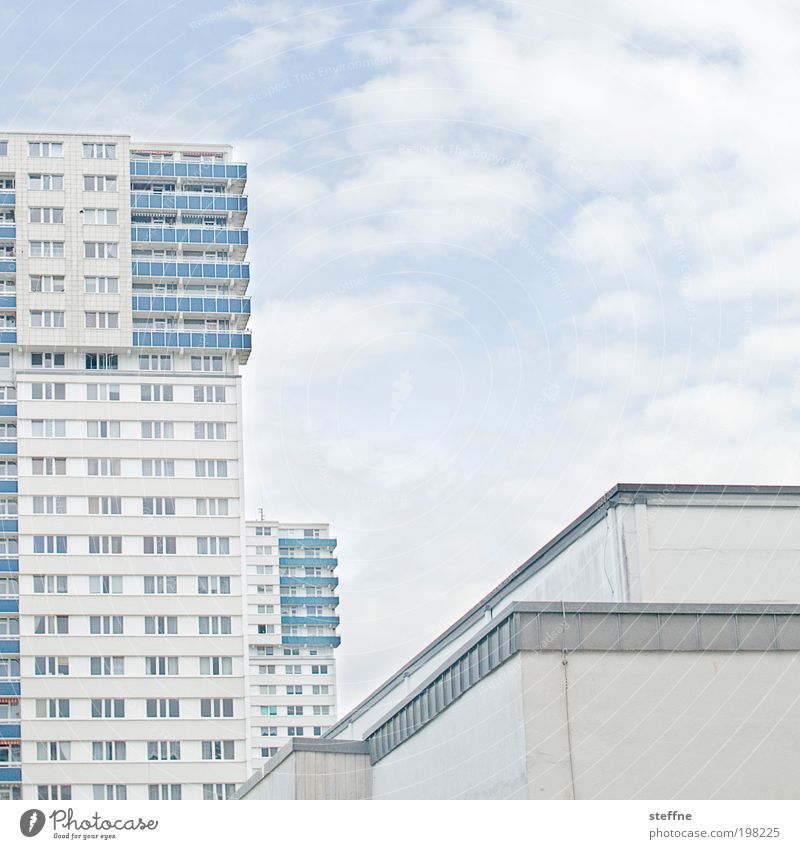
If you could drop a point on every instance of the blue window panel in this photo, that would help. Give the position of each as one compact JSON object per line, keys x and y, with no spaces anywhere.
{"x":8,"y":301}
{"x":8,"y":232}
{"x":309,"y":599}
{"x":189,"y":169}
{"x":8,"y":266}
{"x":8,"y":336}
{"x":309,"y":620}
{"x":9,"y":486}
{"x":312,"y":542}
{"x":330,"y":581}
{"x":219,"y":341}
{"x":8,"y":447}
{"x":9,"y":646}
{"x":7,"y":565}
{"x":9,"y":605}
{"x":8,"y":198}
{"x":10,"y":730}
{"x":8,"y":410}
{"x":311,"y":641}
{"x":9,"y":525}
{"x":9,"y":688}
{"x":10,"y":773}
{"x":308,"y":561}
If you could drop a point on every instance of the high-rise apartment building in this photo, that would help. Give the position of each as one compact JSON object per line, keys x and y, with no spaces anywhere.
{"x":123,"y":327}
{"x":291,"y":633}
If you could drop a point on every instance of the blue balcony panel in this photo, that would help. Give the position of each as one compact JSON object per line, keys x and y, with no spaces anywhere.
{"x":8,"y":198}
{"x":8,"y":337}
{"x":205,"y":170}
{"x":181,"y":339}
{"x":188,"y":202}
{"x":302,"y":600}
{"x":161,"y":303}
{"x":10,"y":773}
{"x":189,"y":235}
{"x":9,"y":646}
{"x":8,"y":447}
{"x":309,"y":620}
{"x":8,"y":410}
{"x":9,"y":605}
{"x":8,"y":266}
{"x":8,"y":302}
{"x":10,"y":730}
{"x":9,"y":486}
{"x":9,"y":526}
{"x":330,"y":581}
{"x":7,"y":232}
{"x":192,"y":270}
{"x":306,"y":542}
{"x":308,"y":561}
{"x":9,"y":688}
{"x":311,"y":641}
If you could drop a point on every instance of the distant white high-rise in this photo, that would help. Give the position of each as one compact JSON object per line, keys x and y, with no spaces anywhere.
{"x":291,"y":633}
{"x":123,"y":327}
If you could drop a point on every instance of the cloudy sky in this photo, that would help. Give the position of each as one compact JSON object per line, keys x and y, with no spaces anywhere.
{"x":503,"y":256}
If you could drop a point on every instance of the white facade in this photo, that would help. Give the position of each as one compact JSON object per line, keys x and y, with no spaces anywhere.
{"x":121,"y":404}
{"x":292,"y":601}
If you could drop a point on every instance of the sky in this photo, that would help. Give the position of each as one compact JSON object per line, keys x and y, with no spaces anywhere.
{"x":503,"y":256}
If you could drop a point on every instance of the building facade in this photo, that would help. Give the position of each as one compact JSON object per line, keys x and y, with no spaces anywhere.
{"x":123,"y":329}
{"x":292,"y":625}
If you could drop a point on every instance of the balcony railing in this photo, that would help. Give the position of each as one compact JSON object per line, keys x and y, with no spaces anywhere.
{"x":8,"y":337}
{"x":8,"y":266}
{"x":328,"y":581}
{"x":309,"y":620}
{"x":8,"y":302}
{"x":9,"y":605}
{"x":8,"y":198}
{"x":158,"y":303}
{"x":205,"y":170}
{"x":9,"y":646}
{"x":8,"y":232}
{"x":180,"y":339}
{"x":10,"y":773}
{"x":308,"y":561}
{"x":191,"y":270}
{"x":8,"y":448}
{"x":9,"y":564}
{"x":306,"y":542}
{"x":303,"y":600}
{"x":311,"y":641}
{"x":8,"y":410}
{"x":188,"y":235}
{"x":187,"y":200}
{"x":9,"y":485}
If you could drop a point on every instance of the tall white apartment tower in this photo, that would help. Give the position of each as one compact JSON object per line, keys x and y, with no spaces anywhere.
{"x":291,"y":633}
{"x":123,"y":326}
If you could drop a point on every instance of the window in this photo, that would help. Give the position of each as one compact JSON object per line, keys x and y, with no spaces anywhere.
{"x":294,"y":689}
{"x":109,"y":792}
{"x":46,"y":182}
{"x":48,"y":391}
{"x":105,"y":625}
{"x":103,"y":467}
{"x":162,"y":708}
{"x":51,"y":625}
{"x":102,"y":320}
{"x":160,"y":584}
{"x":50,"y":428}
{"x":217,"y":750}
{"x":158,"y":506}
{"x":105,"y":545}
{"x":295,"y":731}
{"x":161,"y":665}
{"x":56,"y":751}
{"x":108,"y":750}
{"x":40,"y":148}
{"x":156,"y":392}
{"x":8,"y":393}
{"x":8,"y":626}
{"x":319,"y":670}
{"x":161,"y":625}
{"x":8,"y":507}
{"x":108,"y":362}
{"x":214,"y":624}
{"x":158,"y":468}
{"x":213,"y":584}
{"x":262,"y":531}
{"x":322,"y":710}
{"x":53,"y":250}
{"x":100,"y":250}
{"x":99,"y":150}
{"x":51,"y":666}
{"x":102,"y":392}
{"x":9,"y":667}
{"x":49,"y":544}
{"x":207,"y":363}
{"x":99,"y":183}
{"x":101,"y":285}
{"x":155,"y":362}
{"x":49,"y":465}
{"x":8,"y":468}
{"x":159,"y":545}
{"x":100,"y":216}
{"x":105,"y":505}
{"x":209,"y":394}
{"x":294,"y":710}
{"x":42,"y":359}
{"x":268,"y":710}
{"x":107,"y":665}
{"x":3,"y":148}
{"x":163,"y":792}
{"x":9,"y":710}
{"x":9,"y":545}
{"x":211,"y":468}
{"x":45,"y":792}
{"x":47,"y":283}
{"x":216,"y":708}
{"x":269,"y":731}
{"x":158,"y":430}
{"x":216,"y":666}
{"x":163,"y":750}
{"x":102,"y":429}
{"x":211,"y":506}
{"x":46,"y":215}
{"x":218,"y":791}
{"x":213,"y":545}
{"x":209,"y":430}
{"x":47,"y":318}
{"x":105,"y":584}
{"x":108,"y":708}
{"x":51,"y":584}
